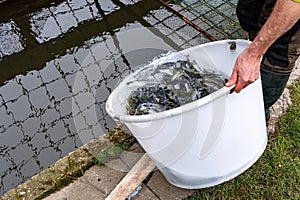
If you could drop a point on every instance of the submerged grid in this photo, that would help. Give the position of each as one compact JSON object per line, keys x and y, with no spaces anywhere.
{"x":177,"y":31}
{"x":217,"y":17}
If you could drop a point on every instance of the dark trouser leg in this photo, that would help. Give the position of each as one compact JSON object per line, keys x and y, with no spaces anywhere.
{"x":273,"y":83}
{"x":276,"y":68}
{"x":280,"y":58}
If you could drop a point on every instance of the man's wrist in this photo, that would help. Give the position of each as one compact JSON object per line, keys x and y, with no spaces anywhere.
{"x":257,"y":48}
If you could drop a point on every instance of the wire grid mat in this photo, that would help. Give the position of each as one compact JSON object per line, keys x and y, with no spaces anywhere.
{"x":180,"y":34}
{"x":217,"y":17}
{"x":36,"y":118}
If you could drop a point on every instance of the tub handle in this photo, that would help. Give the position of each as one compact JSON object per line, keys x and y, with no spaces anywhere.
{"x":232,"y":89}
{"x":117,"y":118}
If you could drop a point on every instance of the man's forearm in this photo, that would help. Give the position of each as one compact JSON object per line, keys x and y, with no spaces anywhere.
{"x":285,"y":14}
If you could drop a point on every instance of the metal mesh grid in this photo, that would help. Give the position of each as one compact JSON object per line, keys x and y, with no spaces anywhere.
{"x":217,"y":17}
{"x":181,"y":34}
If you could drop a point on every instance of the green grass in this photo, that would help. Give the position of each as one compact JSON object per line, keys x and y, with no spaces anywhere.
{"x":276,"y":175}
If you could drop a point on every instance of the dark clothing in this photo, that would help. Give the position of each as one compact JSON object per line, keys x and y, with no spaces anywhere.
{"x":252,"y":15}
{"x":280,"y":58}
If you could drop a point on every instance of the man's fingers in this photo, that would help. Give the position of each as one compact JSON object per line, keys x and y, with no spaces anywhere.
{"x":232,"y":80}
{"x":241,"y":84}
{"x":238,"y":87}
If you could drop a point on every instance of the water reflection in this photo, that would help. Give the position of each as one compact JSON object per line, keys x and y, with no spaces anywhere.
{"x":53,"y":21}
{"x":50,"y":47}
{"x":37,"y":122}
{"x":10,"y":39}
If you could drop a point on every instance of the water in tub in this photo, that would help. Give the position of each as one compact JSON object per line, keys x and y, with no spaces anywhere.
{"x":167,"y":84}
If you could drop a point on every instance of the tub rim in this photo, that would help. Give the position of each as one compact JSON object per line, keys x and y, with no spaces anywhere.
{"x":224,"y":91}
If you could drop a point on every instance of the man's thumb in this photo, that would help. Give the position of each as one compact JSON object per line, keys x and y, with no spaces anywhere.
{"x":232,"y":80}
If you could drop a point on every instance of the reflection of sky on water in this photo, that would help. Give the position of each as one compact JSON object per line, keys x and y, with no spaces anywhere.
{"x":42,"y":54}
{"x":53,"y":21}
{"x":10,"y":39}
{"x":38,"y":124}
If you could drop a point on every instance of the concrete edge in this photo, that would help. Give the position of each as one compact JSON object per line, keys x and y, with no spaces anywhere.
{"x":68,"y":168}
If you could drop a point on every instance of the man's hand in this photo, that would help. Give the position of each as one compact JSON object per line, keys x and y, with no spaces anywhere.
{"x":245,"y":71}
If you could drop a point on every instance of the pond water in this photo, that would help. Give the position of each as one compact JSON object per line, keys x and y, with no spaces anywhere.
{"x":59,"y":61}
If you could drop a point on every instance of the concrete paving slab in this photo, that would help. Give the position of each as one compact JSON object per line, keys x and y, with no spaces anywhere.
{"x":133,"y":155}
{"x":164,"y":190}
{"x":117,"y":165}
{"x":98,"y":182}
{"x":95,"y":184}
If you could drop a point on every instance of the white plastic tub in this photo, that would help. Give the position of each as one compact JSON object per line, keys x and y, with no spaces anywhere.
{"x":208,"y":141}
